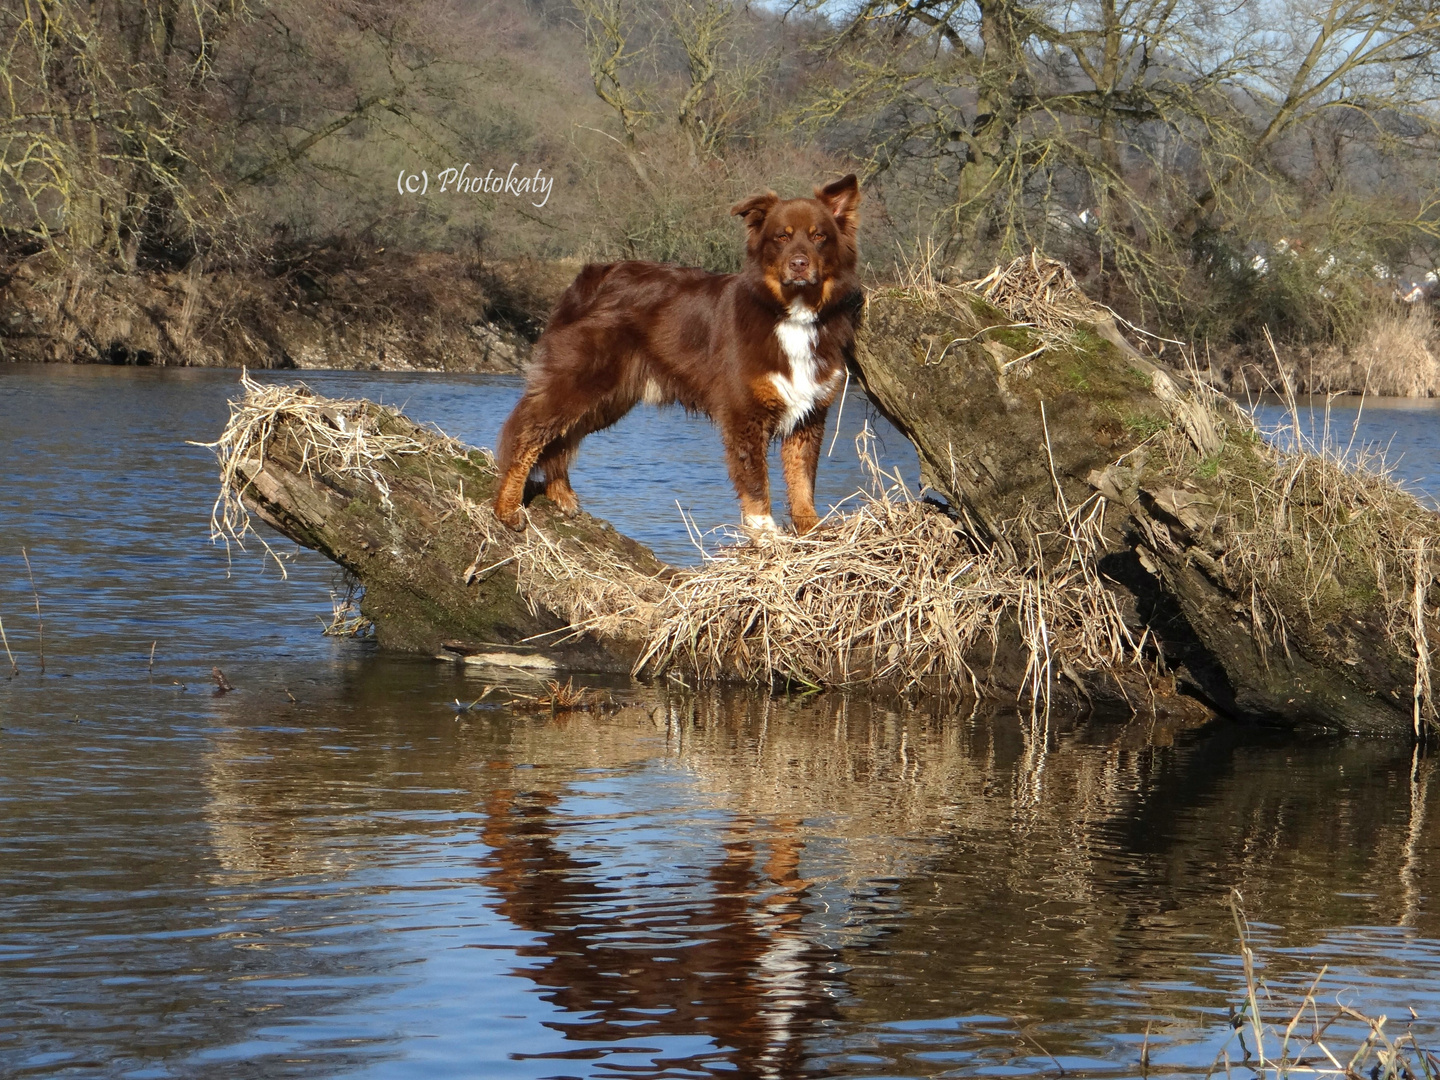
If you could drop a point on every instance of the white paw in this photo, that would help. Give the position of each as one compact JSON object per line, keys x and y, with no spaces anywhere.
{"x":760,"y":522}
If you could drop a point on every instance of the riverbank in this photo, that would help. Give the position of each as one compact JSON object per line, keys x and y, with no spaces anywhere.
{"x":346,"y":307}
{"x":335,"y":306}
{"x":1395,"y":354}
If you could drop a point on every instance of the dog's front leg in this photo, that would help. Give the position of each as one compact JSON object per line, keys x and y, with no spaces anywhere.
{"x":745,"y":443}
{"x":800,"y":456}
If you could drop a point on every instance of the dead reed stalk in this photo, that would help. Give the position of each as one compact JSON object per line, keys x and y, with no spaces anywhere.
{"x":1288,"y":1044}
{"x":345,"y":617}
{"x":39,"y":618}
{"x":14,"y":668}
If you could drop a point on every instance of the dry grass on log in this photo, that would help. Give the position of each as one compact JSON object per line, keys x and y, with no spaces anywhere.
{"x":596,"y":590}
{"x":1040,"y":291}
{"x":345,"y":437}
{"x":1312,"y":531}
{"x":894,"y":591}
{"x":1306,"y":534}
{"x":591,"y":587}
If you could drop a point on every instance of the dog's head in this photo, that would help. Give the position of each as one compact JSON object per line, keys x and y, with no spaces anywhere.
{"x":801,"y":246}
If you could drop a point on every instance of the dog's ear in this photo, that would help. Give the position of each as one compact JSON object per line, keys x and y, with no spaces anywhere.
{"x":842,"y":198}
{"x":754,"y":209}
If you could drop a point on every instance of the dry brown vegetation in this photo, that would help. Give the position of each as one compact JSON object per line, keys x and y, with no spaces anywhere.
{"x":1315,"y":536}
{"x":1301,"y":1034}
{"x":896,"y":591}
{"x":1308,"y":549}
{"x":1395,"y":353}
{"x":138,"y":141}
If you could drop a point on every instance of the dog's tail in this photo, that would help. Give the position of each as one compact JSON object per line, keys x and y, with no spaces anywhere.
{"x":578,"y":298}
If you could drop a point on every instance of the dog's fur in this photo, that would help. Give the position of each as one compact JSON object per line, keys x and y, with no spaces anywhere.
{"x":761,"y":352}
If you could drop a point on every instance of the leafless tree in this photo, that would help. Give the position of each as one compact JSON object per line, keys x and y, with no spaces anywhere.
{"x":1136,"y":130}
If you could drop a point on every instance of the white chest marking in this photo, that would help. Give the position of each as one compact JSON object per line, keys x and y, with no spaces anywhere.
{"x":797,"y":335}
{"x":654,"y":394}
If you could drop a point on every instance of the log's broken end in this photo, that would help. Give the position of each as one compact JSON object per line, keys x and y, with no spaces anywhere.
{"x":406,"y":510}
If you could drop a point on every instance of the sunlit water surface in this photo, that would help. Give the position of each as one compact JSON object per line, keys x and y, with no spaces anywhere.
{"x":329,"y":872}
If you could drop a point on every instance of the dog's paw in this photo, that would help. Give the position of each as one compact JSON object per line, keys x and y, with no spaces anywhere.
{"x":761,"y":529}
{"x":759,"y":523}
{"x":516,"y":519}
{"x":566,"y":502}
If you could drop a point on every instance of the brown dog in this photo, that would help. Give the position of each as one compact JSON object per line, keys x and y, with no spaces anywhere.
{"x":761,"y":352}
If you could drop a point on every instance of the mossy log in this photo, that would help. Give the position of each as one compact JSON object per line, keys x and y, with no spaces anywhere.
{"x":890,"y":596}
{"x":1270,"y":603}
{"x":412,"y":527}
{"x":1276,"y":586}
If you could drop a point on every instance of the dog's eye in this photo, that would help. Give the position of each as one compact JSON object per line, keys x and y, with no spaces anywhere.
{"x":819,"y":238}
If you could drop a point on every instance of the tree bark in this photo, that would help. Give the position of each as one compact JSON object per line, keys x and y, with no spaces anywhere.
{"x":435,"y":581}
{"x":998,"y":436}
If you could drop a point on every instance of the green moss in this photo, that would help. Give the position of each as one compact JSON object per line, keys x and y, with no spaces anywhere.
{"x":1022,"y":341}
{"x":1092,"y":366}
{"x":1143,"y":423}
{"x":1209,"y":468}
{"x":985,"y":311}
{"x":1075,"y":376}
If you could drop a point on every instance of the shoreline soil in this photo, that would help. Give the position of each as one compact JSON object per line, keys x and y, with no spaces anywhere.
{"x":339,"y":306}
{"x":315,"y":307}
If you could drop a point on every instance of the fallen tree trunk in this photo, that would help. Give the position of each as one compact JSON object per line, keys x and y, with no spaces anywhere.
{"x":892,"y":594}
{"x":405,"y":510}
{"x":1288,"y":587}
{"x":1112,"y":525}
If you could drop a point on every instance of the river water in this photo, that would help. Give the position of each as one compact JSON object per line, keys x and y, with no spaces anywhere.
{"x":330,"y":872}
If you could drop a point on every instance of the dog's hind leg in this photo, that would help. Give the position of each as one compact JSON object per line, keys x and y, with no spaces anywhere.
{"x":554,"y":463}
{"x":800,"y":457}
{"x":555,"y":459}
{"x":544,"y":435}
{"x":523,"y":438}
